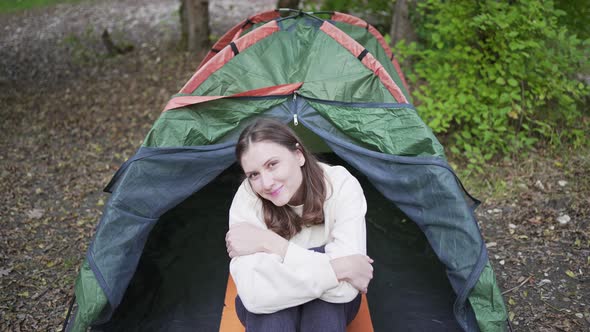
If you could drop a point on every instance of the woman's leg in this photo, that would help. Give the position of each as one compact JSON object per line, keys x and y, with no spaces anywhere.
{"x":318,"y":315}
{"x":286,"y":320}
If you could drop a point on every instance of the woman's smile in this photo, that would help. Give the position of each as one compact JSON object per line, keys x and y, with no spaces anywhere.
{"x":276,"y":192}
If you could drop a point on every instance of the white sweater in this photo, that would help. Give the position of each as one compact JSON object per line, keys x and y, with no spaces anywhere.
{"x":266,"y":283}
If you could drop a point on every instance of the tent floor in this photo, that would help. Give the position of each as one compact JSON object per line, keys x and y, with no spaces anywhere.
{"x":181,"y":278}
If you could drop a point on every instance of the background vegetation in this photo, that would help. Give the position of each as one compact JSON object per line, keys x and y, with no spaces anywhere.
{"x":498,"y":77}
{"x":495,"y":78}
{"x":7,"y":6}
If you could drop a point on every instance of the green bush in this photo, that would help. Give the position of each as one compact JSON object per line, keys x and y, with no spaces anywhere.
{"x":496,"y":77}
{"x":577,"y":15}
{"x":376,"y":12}
{"x":13,"y":6}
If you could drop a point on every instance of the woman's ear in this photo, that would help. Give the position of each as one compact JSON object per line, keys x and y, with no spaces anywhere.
{"x":300,"y":157}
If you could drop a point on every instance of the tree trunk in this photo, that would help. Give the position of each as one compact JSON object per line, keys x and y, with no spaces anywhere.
{"x":401,"y":25}
{"x":293,"y":4}
{"x":194,"y":17}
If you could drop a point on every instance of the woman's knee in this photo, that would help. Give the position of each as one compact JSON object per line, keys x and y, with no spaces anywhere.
{"x":286,"y":320}
{"x":318,"y":315}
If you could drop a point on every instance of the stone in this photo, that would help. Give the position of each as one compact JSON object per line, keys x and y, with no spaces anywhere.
{"x":564,"y":219}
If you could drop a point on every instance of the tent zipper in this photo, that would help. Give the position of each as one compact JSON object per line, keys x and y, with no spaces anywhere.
{"x":295,"y":121}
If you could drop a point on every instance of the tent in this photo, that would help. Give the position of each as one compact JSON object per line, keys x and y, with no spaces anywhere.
{"x":157,"y":261}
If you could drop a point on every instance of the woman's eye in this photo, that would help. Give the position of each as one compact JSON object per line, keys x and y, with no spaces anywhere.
{"x":252,"y":176}
{"x":273,"y":164}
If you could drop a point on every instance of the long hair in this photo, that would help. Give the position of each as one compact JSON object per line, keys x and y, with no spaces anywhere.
{"x":282,"y":219}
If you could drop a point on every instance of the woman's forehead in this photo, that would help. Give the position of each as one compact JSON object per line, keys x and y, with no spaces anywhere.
{"x":258,"y":153}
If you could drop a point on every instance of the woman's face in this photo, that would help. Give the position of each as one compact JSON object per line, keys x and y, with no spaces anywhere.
{"x":274,"y":172}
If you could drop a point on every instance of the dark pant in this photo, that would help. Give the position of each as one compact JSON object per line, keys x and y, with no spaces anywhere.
{"x":316,"y":315}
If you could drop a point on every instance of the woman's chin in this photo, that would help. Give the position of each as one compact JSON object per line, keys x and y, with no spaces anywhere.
{"x":279,"y":201}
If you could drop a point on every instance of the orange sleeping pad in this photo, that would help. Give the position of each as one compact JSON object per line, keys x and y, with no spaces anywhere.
{"x":230,"y":322}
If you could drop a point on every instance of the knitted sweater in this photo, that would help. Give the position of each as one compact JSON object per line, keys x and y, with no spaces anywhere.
{"x":266,"y":283}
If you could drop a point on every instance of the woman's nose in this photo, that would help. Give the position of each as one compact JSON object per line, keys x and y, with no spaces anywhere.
{"x":267,"y":180}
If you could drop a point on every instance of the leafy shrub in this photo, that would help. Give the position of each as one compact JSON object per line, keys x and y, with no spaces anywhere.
{"x":376,"y":12}
{"x":496,"y":77}
{"x":577,"y":15}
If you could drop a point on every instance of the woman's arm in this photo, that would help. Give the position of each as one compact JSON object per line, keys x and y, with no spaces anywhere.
{"x":268,"y":283}
{"x":245,"y":239}
{"x":341,"y":272}
{"x":345,"y":215}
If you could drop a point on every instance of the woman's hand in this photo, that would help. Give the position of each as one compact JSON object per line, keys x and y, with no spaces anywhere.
{"x":355,"y":269}
{"x":245,"y":239}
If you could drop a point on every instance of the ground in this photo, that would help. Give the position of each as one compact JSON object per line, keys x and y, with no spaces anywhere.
{"x":71,"y":115}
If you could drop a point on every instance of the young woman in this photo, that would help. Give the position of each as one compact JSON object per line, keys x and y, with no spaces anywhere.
{"x":297,"y":236}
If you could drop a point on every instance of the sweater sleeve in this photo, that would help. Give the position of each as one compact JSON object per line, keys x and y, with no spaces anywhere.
{"x":265,"y":282}
{"x":348,"y":233}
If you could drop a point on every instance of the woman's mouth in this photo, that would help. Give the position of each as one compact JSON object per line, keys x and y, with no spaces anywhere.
{"x":276,"y":192}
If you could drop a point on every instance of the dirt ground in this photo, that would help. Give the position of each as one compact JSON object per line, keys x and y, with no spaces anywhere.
{"x":71,"y":115}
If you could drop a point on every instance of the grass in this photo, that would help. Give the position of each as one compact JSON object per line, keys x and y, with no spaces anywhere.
{"x":10,"y":6}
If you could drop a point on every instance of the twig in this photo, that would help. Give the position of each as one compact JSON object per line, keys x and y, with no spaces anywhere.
{"x":554,"y":308}
{"x":517,"y":287}
{"x":562,"y":311}
{"x":40,"y":295}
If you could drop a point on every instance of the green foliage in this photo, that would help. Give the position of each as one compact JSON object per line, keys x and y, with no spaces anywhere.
{"x":497,"y":77}
{"x":78,"y":46}
{"x":376,"y":12}
{"x":577,"y":16}
{"x":347,"y":6}
{"x":86,"y":47}
{"x":7,"y":6}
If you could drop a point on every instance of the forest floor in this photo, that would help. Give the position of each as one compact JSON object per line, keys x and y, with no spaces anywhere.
{"x":71,"y":115}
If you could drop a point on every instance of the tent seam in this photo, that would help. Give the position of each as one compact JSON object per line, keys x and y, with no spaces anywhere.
{"x":101,"y":282}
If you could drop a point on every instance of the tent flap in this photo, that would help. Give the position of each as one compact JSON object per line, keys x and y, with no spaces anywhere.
{"x":90,"y":298}
{"x":487,"y":302}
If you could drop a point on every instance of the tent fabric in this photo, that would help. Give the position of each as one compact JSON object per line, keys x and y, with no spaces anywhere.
{"x":297,"y":53}
{"x":138,"y":258}
{"x":355,"y":21}
{"x":235,"y":32}
{"x":277,"y":90}
{"x":227,"y":53}
{"x":366,"y":59}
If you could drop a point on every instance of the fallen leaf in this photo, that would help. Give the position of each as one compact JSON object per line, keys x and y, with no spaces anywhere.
{"x":511,"y":316}
{"x":35,"y":213}
{"x":5,"y":272}
{"x":570,"y":274}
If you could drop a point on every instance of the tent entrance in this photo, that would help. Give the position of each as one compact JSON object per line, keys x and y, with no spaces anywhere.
{"x":181,"y":278}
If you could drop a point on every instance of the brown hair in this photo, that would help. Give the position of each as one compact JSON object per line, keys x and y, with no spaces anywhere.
{"x":282,"y":219}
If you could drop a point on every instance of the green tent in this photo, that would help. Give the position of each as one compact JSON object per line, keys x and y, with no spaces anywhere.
{"x":158,"y":262}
